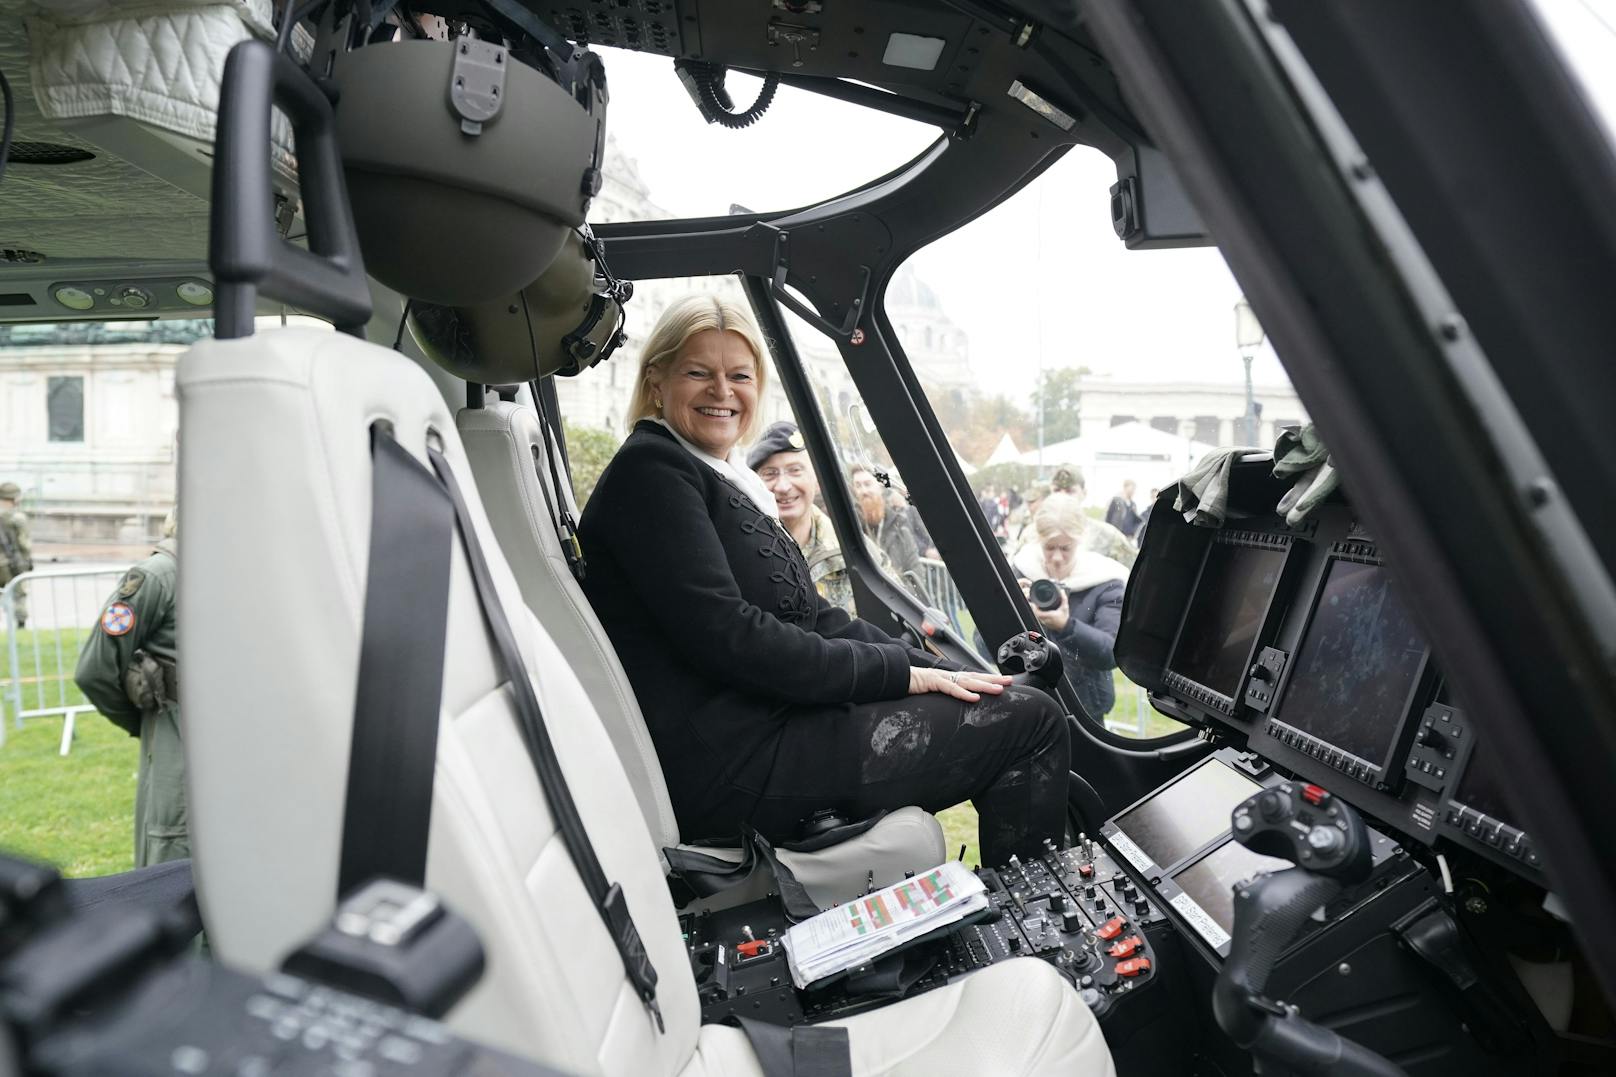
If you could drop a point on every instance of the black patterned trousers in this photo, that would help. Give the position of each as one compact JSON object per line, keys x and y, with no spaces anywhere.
{"x":1008,"y":754}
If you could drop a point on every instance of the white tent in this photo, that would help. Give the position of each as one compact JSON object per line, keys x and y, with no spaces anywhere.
{"x":1004,"y":453}
{"x":1151,"y":458}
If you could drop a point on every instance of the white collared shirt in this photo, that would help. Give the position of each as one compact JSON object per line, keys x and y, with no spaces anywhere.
{"x":734,"y":469}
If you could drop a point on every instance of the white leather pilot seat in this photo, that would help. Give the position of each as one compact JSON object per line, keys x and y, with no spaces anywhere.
{"x":508,"y":454}
{"x":275,"y":474}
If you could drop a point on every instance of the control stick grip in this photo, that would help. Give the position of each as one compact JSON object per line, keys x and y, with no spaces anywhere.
{"x":1268,"y":912}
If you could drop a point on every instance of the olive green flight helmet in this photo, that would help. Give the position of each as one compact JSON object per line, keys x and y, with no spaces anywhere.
{"x":565,"y":322}
{"x":467,"y":168}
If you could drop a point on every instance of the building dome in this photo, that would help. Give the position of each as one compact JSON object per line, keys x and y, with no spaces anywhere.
{"x":908,"y":290}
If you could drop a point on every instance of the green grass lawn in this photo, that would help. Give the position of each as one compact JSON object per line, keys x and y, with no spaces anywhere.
{"x":77,"y":811}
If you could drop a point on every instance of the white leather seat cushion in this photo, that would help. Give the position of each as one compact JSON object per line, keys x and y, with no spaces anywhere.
{"x":1015,"y":1019}
{"x":500,"y":439}
{"x":908,"y":839}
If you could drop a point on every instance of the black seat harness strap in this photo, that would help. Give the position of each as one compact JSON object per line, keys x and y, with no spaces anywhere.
{"x":388,"y":812}
{"x":798,"y":1051}
{"x":608,"y":897}
{"x":388,"y":809}
{"x":558,"y":491}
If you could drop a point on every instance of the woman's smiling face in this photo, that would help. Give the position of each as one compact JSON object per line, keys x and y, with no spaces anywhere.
{"x":709,"y":390}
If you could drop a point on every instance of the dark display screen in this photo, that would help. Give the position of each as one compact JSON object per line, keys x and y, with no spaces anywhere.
{"x":1210,"y":881}
{"x":1187,"y":814}
{"x":1358,"y":662}
{"x":1225,"y":615}
{"x":1482,"y":787}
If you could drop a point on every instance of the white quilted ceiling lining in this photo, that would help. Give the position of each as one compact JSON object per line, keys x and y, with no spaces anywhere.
{"x":159,"y":64}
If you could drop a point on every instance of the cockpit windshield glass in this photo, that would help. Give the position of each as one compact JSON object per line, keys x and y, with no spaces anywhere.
{"x":1059,"y":361}
{"x":664,"y":161}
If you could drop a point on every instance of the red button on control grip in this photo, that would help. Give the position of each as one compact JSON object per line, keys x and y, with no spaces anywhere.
{"x":1133,"y":966}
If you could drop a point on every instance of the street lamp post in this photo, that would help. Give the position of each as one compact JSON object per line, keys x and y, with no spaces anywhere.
{"x":1248,"y":336}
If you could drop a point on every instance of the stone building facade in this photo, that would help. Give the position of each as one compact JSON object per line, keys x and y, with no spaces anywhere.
{"x":88,"y":422}
{"x":1213,"y":414}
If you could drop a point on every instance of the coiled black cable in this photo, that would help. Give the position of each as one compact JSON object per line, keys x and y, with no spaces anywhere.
{"x":714,"y":99}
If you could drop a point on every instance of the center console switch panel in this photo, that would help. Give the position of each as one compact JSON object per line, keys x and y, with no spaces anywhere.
{"x":1074,"y":908}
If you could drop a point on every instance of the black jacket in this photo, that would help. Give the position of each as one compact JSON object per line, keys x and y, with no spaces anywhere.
{"x":710,"y":606}
{"x":1089,"y":636}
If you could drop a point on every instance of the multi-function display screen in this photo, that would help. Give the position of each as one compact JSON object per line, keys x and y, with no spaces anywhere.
{"x":1357,"y":664}
{"x":1210,"y":881}
{"x":1187,"y":814}
{"x":1226,"y":613}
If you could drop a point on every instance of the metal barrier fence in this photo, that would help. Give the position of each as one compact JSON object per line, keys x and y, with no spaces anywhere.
{"x":1139,"y":727}
{"x":942,"y":594}
{"x":59,"y":607}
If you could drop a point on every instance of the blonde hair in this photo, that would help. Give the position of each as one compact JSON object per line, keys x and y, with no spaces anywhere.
{"x":1060,"y":514}
{"x":683,"y":319}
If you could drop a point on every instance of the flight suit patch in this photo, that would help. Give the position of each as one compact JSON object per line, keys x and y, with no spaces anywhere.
{"x":131,"y":583}
{"x":118,"y":620}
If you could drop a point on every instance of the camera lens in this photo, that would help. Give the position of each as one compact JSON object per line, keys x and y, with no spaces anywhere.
{"x":1045,"y":594}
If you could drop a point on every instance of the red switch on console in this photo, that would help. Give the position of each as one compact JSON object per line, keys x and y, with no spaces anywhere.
{"x":752,"y":947}
{"x":1085,"y":870}
{"x":1133,"y":966}
{"x":1125,"y":947}
{"x":1111,"y":928}
{"x":1316,"y":795}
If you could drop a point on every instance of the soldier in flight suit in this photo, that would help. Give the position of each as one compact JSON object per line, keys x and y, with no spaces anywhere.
{"x":127,"y":669}
{"x":16,"y":550}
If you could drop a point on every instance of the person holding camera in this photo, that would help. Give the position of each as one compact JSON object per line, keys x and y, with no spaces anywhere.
{"x":1077,"y":597}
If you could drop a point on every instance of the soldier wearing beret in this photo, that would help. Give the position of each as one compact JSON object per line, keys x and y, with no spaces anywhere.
{"x":780,"y":459}
{"x":128,"y":669}
{"x":16,"y":549}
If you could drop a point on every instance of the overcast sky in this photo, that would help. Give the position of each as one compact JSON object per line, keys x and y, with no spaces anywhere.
{"x":1041,"y":276}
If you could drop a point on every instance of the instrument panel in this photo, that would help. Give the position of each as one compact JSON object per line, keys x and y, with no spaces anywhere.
{"x":1299,"y":645}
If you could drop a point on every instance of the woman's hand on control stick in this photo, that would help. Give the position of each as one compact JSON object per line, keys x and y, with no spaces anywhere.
{"x":965,"y":684}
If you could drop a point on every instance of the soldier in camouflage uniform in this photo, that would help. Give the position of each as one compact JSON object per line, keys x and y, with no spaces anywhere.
{"x":128,"y":670}
{"x":16,"y":549}
{"x":1104,"y":539}
{"x":780,"y":459}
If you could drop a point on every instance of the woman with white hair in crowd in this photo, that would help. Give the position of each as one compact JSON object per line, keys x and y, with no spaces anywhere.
{"x":1089,"y":591}
{"x":766,"y":702}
